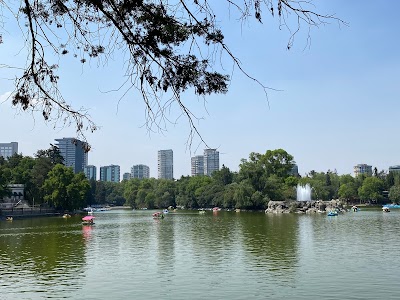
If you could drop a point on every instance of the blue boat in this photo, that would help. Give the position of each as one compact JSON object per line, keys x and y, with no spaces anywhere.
{"x":392,"y":205}
{"x":332,"y":213}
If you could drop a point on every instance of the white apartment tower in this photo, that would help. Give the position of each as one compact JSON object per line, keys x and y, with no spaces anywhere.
{"x":165,"y":164}
{"x":197,"y":165}
{"x":140,"y":171}
{"x":211,"y":161}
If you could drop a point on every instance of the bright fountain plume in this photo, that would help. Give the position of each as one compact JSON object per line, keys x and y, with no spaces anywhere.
{"x":303,"y":192}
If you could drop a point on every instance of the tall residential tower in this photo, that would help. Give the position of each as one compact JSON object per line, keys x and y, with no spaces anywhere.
{"x":165,"y":164}
{"x":110,"y":173}
{"x":90,"y":172}
{"x":197,"y":165}
{"x":211,"y":161}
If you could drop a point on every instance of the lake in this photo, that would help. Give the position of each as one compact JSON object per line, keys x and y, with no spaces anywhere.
{"x":224,"y":255}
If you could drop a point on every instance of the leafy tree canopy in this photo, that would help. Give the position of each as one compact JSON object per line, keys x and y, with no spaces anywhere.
{"x":53,"y":154}
{"x":64,"y":189}
{"x":394,"y":193}
{"x":371,"y":189}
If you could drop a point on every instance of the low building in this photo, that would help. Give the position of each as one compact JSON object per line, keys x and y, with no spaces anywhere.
{"x":126,"y":176}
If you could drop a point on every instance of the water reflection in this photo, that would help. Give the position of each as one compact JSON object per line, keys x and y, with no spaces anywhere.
{"x":212,"y":237}
{"x":44,"y":253}
{"x":165,"y":250}
{"x":87,"y":232}
{"x":272,"y":243}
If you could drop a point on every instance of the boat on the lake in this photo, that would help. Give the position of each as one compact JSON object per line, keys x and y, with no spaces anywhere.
{"x":392,"y":206}
{"x":88,"y":220}
{"x":332,"y":213}
{"x":158,"y":215}
{"x":385,"y":209}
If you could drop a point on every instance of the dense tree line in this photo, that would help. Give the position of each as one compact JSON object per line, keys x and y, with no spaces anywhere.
{"x":47,"y":181}
{"x":261,"y":178}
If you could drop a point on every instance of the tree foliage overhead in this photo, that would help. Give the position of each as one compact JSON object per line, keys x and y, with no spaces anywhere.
{"x":169,"y":46}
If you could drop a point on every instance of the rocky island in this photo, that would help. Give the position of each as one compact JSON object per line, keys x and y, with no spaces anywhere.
{"x":310,"y":206}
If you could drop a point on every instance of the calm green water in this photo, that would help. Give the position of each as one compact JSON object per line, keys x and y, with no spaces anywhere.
{"x":224,"y":255}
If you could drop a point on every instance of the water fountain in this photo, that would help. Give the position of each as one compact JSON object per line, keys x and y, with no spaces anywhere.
{"x":303,"y":192}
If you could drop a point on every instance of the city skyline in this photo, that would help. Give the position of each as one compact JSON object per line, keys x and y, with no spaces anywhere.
{"x":332,"y":105}
{"x":197,"y":166}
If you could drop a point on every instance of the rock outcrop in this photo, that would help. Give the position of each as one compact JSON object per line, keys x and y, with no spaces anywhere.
{"x":313,"y":206}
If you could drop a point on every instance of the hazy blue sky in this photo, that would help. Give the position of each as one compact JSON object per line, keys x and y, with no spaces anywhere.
{"x":339,"y":104}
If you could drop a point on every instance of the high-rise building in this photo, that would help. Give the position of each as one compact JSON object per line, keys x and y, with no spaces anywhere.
{"x":90,"y":172}
{"x":197,"y":165}
{"x":211,"y":161}
{"x":362,"y":169}
{"x":8,"y":149}
{"x":110,"y":173}
{"x":74,"y":153}
{"x":126,"y":176}
{"x":140,"y":171}
{"x":165,"y":164}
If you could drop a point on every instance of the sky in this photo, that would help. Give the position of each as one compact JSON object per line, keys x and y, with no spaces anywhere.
{"x":333,"y":102}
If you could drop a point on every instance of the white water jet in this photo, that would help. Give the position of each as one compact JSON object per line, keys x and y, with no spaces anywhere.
{"x":303,"y":192}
